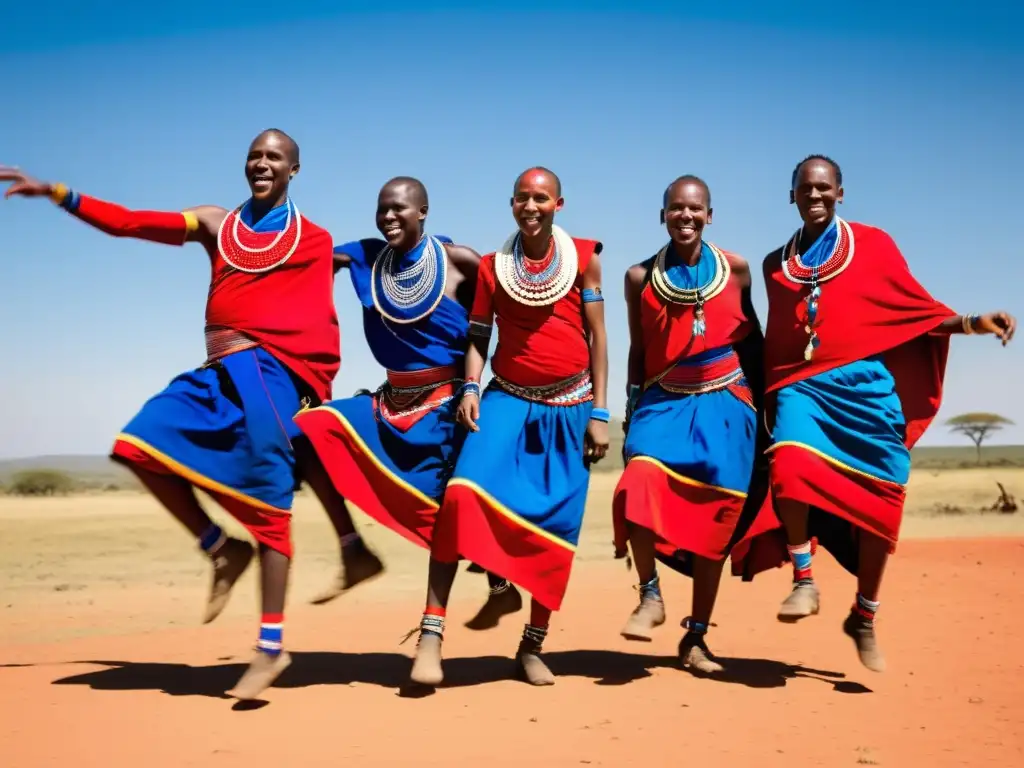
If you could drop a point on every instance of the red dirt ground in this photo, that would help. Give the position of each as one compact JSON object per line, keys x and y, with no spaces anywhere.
{"x":951,"y":626}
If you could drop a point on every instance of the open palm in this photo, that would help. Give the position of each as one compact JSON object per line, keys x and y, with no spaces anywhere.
{"x":22,"y":184}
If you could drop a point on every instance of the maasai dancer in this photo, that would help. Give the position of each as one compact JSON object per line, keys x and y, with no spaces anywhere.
{"x":391,"y":452}
{"x":855,"y":356}
{"x":515,"y":501}
{"x":272,"y":342}
{"x":694,"y":387}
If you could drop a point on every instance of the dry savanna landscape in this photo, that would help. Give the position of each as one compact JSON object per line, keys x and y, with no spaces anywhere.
{"x":103,"y":660}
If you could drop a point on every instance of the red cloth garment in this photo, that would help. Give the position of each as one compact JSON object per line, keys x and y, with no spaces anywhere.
{"x":537,"y":346}
{"x":875,"y":306}
{"x":289,"y":310}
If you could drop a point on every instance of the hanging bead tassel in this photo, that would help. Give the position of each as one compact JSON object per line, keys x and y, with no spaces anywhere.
{"x":812,"y":316}
{"x":699,"y":326}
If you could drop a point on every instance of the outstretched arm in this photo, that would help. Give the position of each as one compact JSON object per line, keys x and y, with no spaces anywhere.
{"x":593,"y":312}
{"x":198,"y":224}
{"x":1000,"y":324}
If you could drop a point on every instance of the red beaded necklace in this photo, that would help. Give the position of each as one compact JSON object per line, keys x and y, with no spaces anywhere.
{"x":246,"y":250}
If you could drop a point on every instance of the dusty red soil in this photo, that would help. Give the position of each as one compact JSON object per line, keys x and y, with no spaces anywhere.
{"x":951,"y":625}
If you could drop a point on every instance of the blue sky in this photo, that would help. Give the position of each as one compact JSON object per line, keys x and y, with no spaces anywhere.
{"x":153,"y":107}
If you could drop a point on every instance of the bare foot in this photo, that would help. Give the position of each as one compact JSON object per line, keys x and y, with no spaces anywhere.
{"x":694,"y":655}
{"x":645,"y":617}
{"x":862,"y":632}
{"x":802,"y":602}
{"x":529,"y":665}
{"x":501,"y":601}
{"x":532,"y":669}
{"x":426,"y":666}
{"x":358,"y":565}
{"x":229,"y":563}
{"x":261,"y":674}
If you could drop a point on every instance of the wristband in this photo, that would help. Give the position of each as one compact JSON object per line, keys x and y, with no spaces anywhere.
{"x":66,"y":198}
{"x":600,"y":414}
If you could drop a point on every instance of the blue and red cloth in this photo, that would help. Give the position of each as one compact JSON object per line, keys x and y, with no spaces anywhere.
{"x":843,"y":422}
{"x":227,"y":427}
{"x":691,"y":438}
{"x":390,"y":452}
{"x":516,"y":499}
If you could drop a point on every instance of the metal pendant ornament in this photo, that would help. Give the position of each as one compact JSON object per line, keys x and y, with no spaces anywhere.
{"x":697,"y":297}
{"x":797,"y":271}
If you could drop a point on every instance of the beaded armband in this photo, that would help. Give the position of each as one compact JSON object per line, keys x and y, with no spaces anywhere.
{"x":66,"y":198}
{"x":191,"y":221}
{"x":591,"y":295}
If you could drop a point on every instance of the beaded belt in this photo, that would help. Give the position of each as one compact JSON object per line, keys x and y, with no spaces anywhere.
{"x":408,"y":396}
{"x":221,"y":342}
{"x":572,"y":391}
{"x":707,"y":372}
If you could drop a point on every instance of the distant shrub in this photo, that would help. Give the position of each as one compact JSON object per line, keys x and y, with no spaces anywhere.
{"x":41,"y":482}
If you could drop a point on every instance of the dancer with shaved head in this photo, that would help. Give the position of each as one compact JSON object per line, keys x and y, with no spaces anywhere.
{"x":272,"y":345}
{"x":695,"y":385}
{"x":390,"y":452}
{"x":516,"y":499}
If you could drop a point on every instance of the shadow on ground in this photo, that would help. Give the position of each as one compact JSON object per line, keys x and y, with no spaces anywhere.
{"x":391,"y":670}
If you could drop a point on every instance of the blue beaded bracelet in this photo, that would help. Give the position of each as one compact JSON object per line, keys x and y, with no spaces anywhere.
{"x":470,"y":387}
{"x":601,"y":414}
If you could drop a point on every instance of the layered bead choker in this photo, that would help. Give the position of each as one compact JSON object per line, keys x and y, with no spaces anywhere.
{"x":405,"y":294}
{"x":699,"y":293}
{"x":556,"y":276}
{"x":248,"y":250}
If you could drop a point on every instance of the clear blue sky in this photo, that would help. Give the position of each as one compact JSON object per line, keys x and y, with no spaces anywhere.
{"x":155,"y":108}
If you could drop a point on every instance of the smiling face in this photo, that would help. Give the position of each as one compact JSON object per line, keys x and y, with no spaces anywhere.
{"x":401,"y":211}
{"x":536,"y":199}
{"x":271,"y":164}
{"x":816,"y":191}
{"x":687,"y":211}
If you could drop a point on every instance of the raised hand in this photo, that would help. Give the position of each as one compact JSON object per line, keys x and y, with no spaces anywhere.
{"x":23,"y":184}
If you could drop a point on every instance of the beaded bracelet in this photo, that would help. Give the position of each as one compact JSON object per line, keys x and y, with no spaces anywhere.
{"x":968,"y":321}
{"x":66,"y":198}
{"x":601,"y":414}
{"x":470,"y":387}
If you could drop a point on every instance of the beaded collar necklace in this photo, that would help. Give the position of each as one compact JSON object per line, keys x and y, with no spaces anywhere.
{"x":247,"y":250}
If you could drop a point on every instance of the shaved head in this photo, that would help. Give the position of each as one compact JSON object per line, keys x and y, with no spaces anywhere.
{"x":688,"y":179}
{"x":414,"y":187}
{"x":542,"y":172}
{"x":288,"y":144}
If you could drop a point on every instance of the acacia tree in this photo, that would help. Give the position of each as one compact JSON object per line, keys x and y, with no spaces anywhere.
{"x":977,"y":426}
